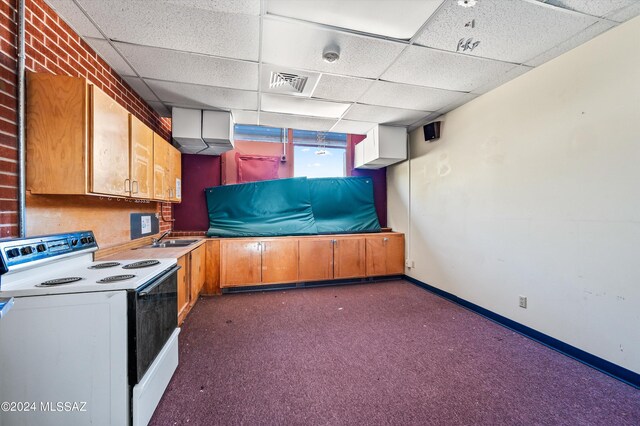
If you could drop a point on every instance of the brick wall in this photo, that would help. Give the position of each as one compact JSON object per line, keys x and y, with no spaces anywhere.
{"x":53,"y":47}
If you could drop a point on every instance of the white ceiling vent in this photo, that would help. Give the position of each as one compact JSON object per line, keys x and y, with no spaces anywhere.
{"x":283,"y":82}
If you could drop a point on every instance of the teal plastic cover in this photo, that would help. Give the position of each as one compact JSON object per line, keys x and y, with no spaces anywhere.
{"x":261,"y":209}
{"x":343,"y":205}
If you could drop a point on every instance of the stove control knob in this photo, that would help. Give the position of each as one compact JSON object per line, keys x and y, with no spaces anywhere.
{"x":74,"y":242}
{"x":90,"y":239}
{"x":83,"y":240}
{"x":26,"y":250}
{"x":13,"y":253}
{"x":41,"y":247}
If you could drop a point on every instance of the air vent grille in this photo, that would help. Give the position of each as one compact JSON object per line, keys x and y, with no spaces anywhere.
{"x":286,"y":82}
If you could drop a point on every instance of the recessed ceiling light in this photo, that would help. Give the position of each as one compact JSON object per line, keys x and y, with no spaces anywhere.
{"x":467,"y":3}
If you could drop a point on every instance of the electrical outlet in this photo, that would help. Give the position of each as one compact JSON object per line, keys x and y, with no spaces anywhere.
{"x":523,"y":302}
{"x":409,"y":263}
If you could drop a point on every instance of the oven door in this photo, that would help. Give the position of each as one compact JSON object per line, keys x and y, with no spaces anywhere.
{"x":153,"y":316}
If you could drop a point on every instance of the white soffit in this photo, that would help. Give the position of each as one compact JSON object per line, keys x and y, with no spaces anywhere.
{"x":410,"y":97}
{"x":265,"y":80}
{"x":384,"y":115}
{"x":599,"y":8}
{"x":511,"y":31}
{"x":355,"y":127}
{"x":300,"y":46}
{"x":296,"y":121}
{"x":307,"y":107}
{"x":399,"y":19}
{"x":109,"y":54}
{"x":451,"y":71}
{"x":245,"y":117}
{"x":198,"y":96}
{"x":179,"y":25}
{"x":76,"y":19}
{"x":341,"y":88}
{"x":172,"y":65}
{"x":140,"y":88}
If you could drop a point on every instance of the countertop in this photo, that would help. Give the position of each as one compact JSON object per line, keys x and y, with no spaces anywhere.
{"x":156,"y":253}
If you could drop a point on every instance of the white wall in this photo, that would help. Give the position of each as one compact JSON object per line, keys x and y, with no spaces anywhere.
{"x":534,"y":189}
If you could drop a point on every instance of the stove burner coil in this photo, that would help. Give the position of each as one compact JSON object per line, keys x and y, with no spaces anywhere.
{"x":141,"y":264}
{"x":115,"y":278}
{"x":104,"y":265}
{"x":59,"y":281}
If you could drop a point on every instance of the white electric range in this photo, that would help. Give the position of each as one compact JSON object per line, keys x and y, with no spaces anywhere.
{"x":85,"y":342}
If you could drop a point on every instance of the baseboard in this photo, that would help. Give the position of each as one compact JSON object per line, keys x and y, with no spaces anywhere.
{"x":310,"y":284}
{"x":627,"y":376}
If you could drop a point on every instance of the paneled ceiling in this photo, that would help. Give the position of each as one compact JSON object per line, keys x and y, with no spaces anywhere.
{"x":401,"y":62}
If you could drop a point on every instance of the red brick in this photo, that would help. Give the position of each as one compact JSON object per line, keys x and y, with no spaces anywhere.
{"x":8,"y":205}
{"x":8,"y":179}
{"x":7,"y":231}
{"x":8,"y":193}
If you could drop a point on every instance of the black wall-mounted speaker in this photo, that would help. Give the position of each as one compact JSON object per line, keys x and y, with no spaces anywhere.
{"x":432,"y":131}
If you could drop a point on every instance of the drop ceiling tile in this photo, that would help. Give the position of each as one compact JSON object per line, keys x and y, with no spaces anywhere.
{"x":499,"y":80}
{"x":266,"y":79}
{"x":296,"y":121}
{"x":171,"y":65}
{"x":353,"y":127}
{"x":110,"y":55}
{"x":398,"y":95}
{"x":245,"y":117}
{"x":140,"y":88}
{"x":451,"y":71}
{"x":397,"y":19}
{"x":625,"y":14}
{"x":428,"y":119}
{"x":384,"y":115}
{"x":308,"y":107}
{"x":72,"y":15}
{"x":512,"y":31}
{"x":248,"y":7}
{"x":197,"y":96}
{"x":299,"y":45}
{"x":181,"y":25}
{"x":595,"y":8}
{"x":160,"y":108}
{"x":580,"y":38}
{"x":341,"y":88}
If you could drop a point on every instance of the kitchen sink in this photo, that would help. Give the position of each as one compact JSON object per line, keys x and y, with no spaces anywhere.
{"x":171,"y":244}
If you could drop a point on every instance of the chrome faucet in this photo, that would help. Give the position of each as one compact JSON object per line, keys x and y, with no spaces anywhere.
{"x":156,"y":242}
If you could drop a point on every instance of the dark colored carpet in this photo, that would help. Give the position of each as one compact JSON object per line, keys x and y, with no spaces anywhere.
{"x":375,"y":354}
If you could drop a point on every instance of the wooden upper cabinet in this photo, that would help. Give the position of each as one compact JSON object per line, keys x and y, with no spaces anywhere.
{"x":315,"y":259}
{"x":175,"y":174}
{"x":385,"y":254}
{"x":240,"y":263}
{"x":279,"y":261}
{"x":109,"y":145}
{"x":349,"y":257}
{"x":141,"y":151}
{"x":160,"y":168}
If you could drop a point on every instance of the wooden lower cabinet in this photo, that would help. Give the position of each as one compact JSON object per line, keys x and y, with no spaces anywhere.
{"x":279,"y":261}
{"x":191,"y":279}
{"x":385,"y":255}
{"x":240,"y":262}
{"x":349,"y":258}
{"x":315,"y":260}
{"x":184,"y":292}
{"x":197,"y":272}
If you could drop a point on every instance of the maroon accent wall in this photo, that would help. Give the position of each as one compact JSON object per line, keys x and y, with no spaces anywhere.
{"x":198,"y":172}
{"x":379,"y":179}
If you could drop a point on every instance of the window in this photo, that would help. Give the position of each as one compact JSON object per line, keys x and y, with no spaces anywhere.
{"x":259,"y":133}
{"x":319,"y":154}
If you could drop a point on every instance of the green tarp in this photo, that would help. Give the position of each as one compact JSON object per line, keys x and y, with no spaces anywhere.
{"x":296,"y":206}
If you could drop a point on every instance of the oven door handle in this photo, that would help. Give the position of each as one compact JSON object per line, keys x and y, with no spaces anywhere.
{"x":158,"y":281}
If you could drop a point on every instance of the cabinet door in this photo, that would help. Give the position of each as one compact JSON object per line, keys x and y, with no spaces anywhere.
{"x":240,"y":263}
{"x":109,"y":145}
{"x":160,"y":168}
{"x":280,"y":261}
{"x":175,"y":175}
{"x":395,"y":254}
{"x":348,"y":258}
{"x":141,"y":158}
{"x":183,"y":287}
{"x":385,"y":255}
{"x":315,"y":259}
{"x":197,"y":272}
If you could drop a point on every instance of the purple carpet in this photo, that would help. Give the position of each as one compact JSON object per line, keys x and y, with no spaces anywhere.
{"x":375,"y":354}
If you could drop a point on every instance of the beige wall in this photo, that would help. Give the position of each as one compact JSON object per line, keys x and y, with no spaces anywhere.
{"x":534,"y":189}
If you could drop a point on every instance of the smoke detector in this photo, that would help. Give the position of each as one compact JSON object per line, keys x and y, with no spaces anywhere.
{"x":331,"y":54}
{"x":287,"y":82}
{"x":467,"y":3}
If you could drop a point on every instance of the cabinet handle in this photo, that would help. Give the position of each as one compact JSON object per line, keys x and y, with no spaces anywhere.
{"x":335,"y":242}
{"x":385,"y":240}
{"x":259,"y":246}
{"x":127,"y":185}
{"x":135,"y":182}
